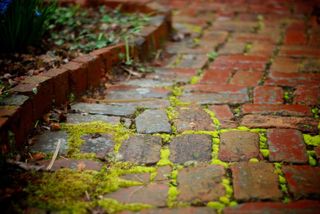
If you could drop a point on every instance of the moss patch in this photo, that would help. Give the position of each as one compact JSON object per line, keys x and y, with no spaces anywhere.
{"x":312,"y":140}
{"x":282,"y":182}
{"x":164,"y":157}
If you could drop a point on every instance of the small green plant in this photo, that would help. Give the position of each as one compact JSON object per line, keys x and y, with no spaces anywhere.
{"x":212,"y":56}
{"x":23,"y":23}
{"x":247,"y":48}
{"x":315,"y":112}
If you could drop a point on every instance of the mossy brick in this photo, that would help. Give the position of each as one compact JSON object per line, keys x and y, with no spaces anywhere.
{"x":47,"y":142}
{"x":201,"y":183}
{"x":95,"y":68}
{"x":100,"y":144}
{"x":194,"y":147}
{"x":304,"y":124}
{"x":286,"y":145}
{"x":283,"y":110}
{"x":238,"y":146}
{"x":303,"y":180}
{"x":78,"y":77}
{"x":268,"y":95}
{"x":255,"y":181}
{"x":60,"y":77}
{"x":301,"y":206}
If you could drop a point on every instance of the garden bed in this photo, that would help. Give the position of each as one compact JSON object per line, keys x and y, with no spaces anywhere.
{"x":55,"y":82}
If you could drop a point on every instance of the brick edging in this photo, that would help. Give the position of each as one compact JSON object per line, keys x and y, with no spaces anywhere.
{"x":35,"y":95}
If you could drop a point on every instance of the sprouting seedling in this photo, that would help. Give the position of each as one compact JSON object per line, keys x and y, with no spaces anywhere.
{"x":128,"y":59}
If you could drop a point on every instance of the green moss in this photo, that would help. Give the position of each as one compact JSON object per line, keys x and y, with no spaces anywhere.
{"x":212,"y":133}
{"x":265,"y":152}
{"x":243,"y":128}
{"x":118,"y":132}
{"x":173,"y":190}
{"x":195,"y":80}
{"x":174,"y":102}
{"x":229,"y":192}
{"x":254,"y":160}
{"x":113,"y":206}
{"x":166,"y":138}
{"x":216,"y":205}
{"x":247,"y":48}
{"x":312,"y":140}
{"x":164,"y":157}
{"x":219,"y":162}
{"x":312,"y":158}
{"x":212,"y":56}
{"x":215,"y":121}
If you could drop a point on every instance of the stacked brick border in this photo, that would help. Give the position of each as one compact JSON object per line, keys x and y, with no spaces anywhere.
{"x":35,"y":96}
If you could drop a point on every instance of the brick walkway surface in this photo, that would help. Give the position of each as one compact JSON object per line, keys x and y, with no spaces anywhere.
{"x":229,"y":119}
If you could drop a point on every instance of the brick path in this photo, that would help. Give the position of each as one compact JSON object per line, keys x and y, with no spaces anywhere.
{"x":229,"y":120}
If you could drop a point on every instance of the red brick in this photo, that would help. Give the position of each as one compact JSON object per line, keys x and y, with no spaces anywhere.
{"x":285,"y":65}
{"x":317,"y":151}
{"x":254,"y":181}
{"x":95,"y":68}
{"x":262,"y":121}
{"x":216,"y":88}
{"x":249,"y":37}
{"x":268,"y":95}
{"x":78,"y":77}
{"x":294,"y":37}
{"x":238,"y":146}
{"x":286,"y":145}
{"x":303,"y":206}
{"x":3,"y":121}
{"x":303,"y":181}
{"x":8,"y":111}
{"x":292,"y":79}
{"x":222,"y":112}
{"x":308,"y":95}
{"x":284,"y":110}
{"x":105,"y":56}
{"x":247,"y":78}
{"x":60,"y":78}
{"x":261,"y":49}
{"x":215,"y":76}
{"x":299,"y":51}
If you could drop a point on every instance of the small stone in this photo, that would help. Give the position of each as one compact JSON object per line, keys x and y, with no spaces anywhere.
{"x":154,"y":194}
{"x":100,"y":144}
{"x":255,"y":181}
{"x":192,"y":147}
{"x":238,"y":146}
{"x":141,"y":149}
{"x":153,"y":121}
{"x":47,"y":142}
{"x":286,"y":145}
{"x":114,"y":110}
{"x":303,"y":181}
{"x":193,"y":118}
{"x":201,"y":183}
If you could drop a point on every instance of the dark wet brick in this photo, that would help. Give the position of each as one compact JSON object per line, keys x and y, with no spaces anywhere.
{"x":114,"y":110}
{"x":86,"y":118}
{"x":47,"y":142}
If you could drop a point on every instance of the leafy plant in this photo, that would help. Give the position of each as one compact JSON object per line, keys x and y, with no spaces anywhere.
{"x":23,"y":23}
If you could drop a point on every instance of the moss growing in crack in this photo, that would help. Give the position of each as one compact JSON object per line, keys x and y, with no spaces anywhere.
{"x":282,"y":182}
{"x":76,"y":131}
{"x":164,"y":157}
{"x":215,"y":120}
{"x":265,"y":153}
{"x":195,"y":80}
{"x":166,"y":138}
{"x":312,"y":158}
{"x":229,"y":192}
{"x":173,"y":190}
{"x":247,"y":48}
{"x":215,"y":151}
{"x":113,"y":206}
{"x":254,"y":160}
{"x":312,"y":140}
{"x":216,"y":205}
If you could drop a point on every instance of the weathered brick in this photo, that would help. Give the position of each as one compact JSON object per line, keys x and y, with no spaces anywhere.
{"x":193,"y":118}
{"x":303,"y":181}
{"x":163,"y":173}
{"x":286,"y":145}
{"x":295,"y":37}
{"x":137,"y":177}
{"x":307,"y":94}
{"x":317,"y":151}
{"x":201,"y":183}
{"x":190,"y":148}
{"x":154,"y":194}
{"x":153,"y":121}
{"x":78,"y":77}
{"x":284,"y":110}
{"x":238,"y":146}
{"x":216,"y":88}
{"x":215,"y":98}
{"x":216,"y":76}
{"x":60,"y":84}
{"x":292,"y":79}
{"x":72,"y":164}
{"x":303,"y":206}
{"x":299,"y":51}
{"x":232,"y":48}
{"x":285,"y":65}
{"x":103,"y":109}
{"x":261,"y":121}
{"x":247,"y":78}
{"x":268,"y":95}
{"x":196,"y":61}
{"x":252,"y":181}
{"x":141,"y":149}
{"x":100,"y":144}
{"x":222,"y":112}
